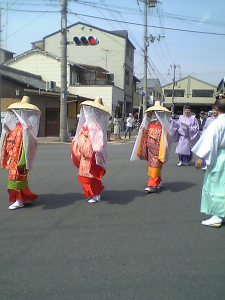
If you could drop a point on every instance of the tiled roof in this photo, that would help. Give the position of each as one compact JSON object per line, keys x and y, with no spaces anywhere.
{"x":31,"y":80}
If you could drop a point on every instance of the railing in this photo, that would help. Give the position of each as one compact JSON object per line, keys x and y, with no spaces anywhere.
{"x":94,"y":82}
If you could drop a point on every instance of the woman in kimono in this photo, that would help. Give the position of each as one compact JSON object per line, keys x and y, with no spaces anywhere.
{"x":153,"y":143}
{"x":88,"y":148}
{"x":18,"y":147}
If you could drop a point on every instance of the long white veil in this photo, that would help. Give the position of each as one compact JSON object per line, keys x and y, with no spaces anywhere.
{"x":164,"y":119}
{"x":97,"y":122}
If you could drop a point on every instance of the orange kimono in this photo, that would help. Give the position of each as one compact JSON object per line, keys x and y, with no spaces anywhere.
{"x":149,"y":149}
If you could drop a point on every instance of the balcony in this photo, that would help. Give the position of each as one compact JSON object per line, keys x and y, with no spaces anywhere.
{"x":100,"y":81}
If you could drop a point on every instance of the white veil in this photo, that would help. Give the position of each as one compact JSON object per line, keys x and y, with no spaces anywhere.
{"x":97,"y":122}
{"x":164,"y":119}
{"x":30,"y":120}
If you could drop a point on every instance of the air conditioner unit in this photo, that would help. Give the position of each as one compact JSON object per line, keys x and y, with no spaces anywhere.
{"x":50,"y":85}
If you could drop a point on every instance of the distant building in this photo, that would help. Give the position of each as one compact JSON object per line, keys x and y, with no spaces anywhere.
{"x":221,"y":86}
{"x":5,"y":55}
{"x":154,"y":90}
{"x":105,"y":69}
{"x":197,"y":93}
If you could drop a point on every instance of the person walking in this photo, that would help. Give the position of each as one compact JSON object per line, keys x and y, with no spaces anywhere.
{"x":110,"y":127}
{"x":129,"y":125}
{"x":153,"y":143}
{"x":18,"y":146}
{"x":116,"y":123}
{"x":211,"y":148}
{"x":124,"y":122}
{"x":185,"y":132}
{"x":88,"y":148}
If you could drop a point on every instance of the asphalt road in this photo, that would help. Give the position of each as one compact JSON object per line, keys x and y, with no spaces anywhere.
{"x":128,"y":246}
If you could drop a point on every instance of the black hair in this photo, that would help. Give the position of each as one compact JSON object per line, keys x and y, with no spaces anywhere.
{"x":220,"y":104}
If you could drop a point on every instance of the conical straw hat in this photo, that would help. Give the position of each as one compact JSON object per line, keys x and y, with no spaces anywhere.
{"x":96,"y":103}
{"x":24,"y":103}
{"x":157,"y":106}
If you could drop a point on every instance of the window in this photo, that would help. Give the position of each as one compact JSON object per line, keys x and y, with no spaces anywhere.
{"x":129,"y":51}
{"x":203,"y":93}
{"x":127,"y":75}
{"x":177,"y":93}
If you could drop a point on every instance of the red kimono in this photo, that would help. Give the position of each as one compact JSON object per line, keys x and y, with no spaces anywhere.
{"x":13,"y":158}
{"x":83,"y":156}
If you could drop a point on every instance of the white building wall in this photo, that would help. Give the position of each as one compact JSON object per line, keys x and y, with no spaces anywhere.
{"x":110,"y":95}
{"x":37,"y":63}
{"x":109,"y":53}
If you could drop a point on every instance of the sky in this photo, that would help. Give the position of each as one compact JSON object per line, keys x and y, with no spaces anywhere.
{"x":194,"y":31}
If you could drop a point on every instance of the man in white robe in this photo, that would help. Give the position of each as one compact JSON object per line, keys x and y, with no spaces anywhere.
{"x":211,"y":148}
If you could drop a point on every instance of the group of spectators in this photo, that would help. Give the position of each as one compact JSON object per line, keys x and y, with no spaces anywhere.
{"x":127,"y":124}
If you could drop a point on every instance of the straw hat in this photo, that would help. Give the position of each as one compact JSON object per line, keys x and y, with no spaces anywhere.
{"x":96,"y":103}
{"x":24,"y":104}
{"x":157,"y":106}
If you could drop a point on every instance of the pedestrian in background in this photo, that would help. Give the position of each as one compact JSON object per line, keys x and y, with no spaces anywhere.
{"x":88,"y":148}
{"x":185,"y":132}
{"x":116,"y":123}
{"x":110,"y":127}
{"x":153,"y":143}
{"x":18,"y":147}
{"x":129,"y":125}
{"x":211,"y":148}
{"x":212,"y":117}
{"x":201,"y":121}
{"x":77,"y":120}
{"x":124,"y":122}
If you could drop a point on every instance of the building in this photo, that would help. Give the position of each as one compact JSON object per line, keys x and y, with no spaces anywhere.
{"x":114,"y":53}
{"x":221,"y":86}
{"x":5,"y":55}
{"x":16,"y":83}
{"x":195,"y":92}
{"x":154,"y":90}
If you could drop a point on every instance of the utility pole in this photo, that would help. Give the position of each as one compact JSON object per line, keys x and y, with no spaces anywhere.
{"x":151,"y":4}
{"x":0,"y":74}
{"x":145,"y":57}
{"x":174,"y":79}
{"x":63,"y":93}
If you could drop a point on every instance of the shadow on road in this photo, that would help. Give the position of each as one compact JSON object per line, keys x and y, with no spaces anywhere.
{"x":121,"y":197}
{"x":177,"y":186}
{"x":54,"y":201}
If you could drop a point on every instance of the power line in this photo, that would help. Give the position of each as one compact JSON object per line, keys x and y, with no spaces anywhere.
{"x":127,"y":10}
{"x":154,"y":26}
{"x":125,"y":22}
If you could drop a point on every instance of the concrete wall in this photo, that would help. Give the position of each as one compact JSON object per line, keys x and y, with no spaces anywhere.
{"x":110,"y":95}
{"x":108,"y":54}
{"x":188,"y":85}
